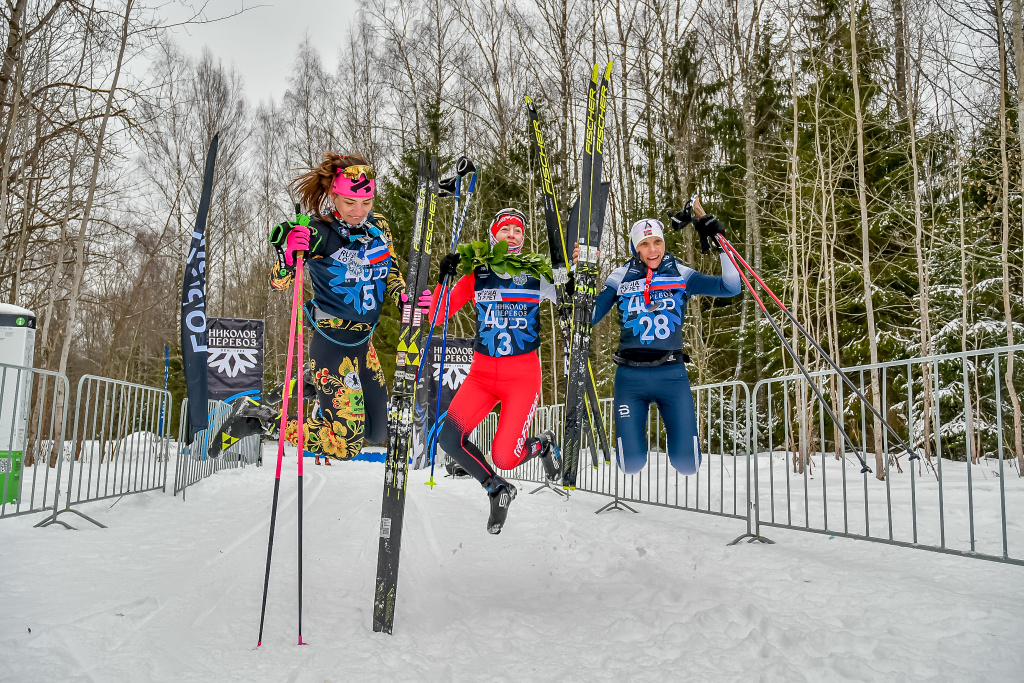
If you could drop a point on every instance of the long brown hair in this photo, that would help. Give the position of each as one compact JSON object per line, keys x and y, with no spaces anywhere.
{"x":313,"y":188}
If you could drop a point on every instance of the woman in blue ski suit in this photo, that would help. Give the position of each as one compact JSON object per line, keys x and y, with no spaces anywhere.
{"x":650,"y":292}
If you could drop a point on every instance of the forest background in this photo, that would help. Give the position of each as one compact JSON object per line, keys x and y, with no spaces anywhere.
{"x":865,"y":157}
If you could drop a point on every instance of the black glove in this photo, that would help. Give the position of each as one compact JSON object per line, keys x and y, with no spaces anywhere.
{"x":448,"y":267}
{"x":708,"y":227}
{"x":681,"y":219}
{"x":570,"y":286}
{"x":279,"y":233}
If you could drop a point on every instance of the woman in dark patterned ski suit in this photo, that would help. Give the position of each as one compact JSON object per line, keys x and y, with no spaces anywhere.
{"x":351,"y":264}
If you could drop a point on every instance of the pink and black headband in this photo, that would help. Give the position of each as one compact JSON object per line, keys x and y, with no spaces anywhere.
{"x":355,"y":182}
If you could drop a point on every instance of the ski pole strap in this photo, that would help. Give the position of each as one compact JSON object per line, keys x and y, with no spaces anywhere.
{"x":312,"y":321}
{"x":669,"y":358}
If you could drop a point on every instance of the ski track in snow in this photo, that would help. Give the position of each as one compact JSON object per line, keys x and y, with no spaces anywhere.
{"x":171,"y":591}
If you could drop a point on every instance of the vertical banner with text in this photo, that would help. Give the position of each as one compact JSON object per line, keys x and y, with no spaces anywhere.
{"x":234,"y":357}
{"x":193,"y":307}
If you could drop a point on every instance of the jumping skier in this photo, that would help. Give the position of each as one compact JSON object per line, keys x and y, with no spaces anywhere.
{"x":651,"y":291}
{"x":351,"y":265}
{"x":505,"y":368}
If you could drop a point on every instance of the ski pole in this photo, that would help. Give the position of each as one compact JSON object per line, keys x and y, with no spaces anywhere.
{"x":300,"y":386}
{"x":445,"y":292}
{"x":440,"y":383}
{"x":456,"y":233}
{"x":296,"y":312}
{"x":828,"y":359}
{"x":796,"y":359}
{"x":456,"y":188}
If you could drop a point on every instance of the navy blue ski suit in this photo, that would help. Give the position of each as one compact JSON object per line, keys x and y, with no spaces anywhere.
{"x":649,"y":331}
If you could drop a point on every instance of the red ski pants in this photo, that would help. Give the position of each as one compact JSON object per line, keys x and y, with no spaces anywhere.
{"x":513,"y":381}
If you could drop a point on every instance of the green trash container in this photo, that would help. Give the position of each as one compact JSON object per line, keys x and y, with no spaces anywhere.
{"x":17,"y":341}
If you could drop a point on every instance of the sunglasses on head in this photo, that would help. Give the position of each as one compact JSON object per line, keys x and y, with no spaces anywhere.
{"x":353,"y":172}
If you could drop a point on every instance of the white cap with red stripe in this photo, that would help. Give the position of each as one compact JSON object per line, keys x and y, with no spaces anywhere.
{"x":644,"y":229}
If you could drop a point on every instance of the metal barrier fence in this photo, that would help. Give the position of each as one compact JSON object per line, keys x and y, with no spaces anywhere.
{"x":722,"y":485}
{"x":32,"y":428}
{"x":952,"y":498}
{"x":193,"y":462}
{"x":119,"y":445}
{"x":772,"y":457}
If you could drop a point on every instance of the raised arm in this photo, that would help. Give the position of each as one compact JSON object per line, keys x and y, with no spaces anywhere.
{"x":727,"y":284}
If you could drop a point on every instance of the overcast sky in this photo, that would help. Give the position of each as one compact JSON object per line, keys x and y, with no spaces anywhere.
{"x":261,"y":41}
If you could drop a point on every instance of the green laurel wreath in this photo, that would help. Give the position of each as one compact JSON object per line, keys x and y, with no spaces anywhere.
{"x":501,"y":262}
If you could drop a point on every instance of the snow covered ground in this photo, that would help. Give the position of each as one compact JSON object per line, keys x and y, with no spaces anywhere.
{"x":171,"y":591}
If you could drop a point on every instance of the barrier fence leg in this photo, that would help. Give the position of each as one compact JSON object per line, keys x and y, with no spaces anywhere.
{"x":546,"y":486}
{"x":616,"y":503}
{"x":753,"y":527}
{"x":67,"y":503}
{"x":53,"y":520}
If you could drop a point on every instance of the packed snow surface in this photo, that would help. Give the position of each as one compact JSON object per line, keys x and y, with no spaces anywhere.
{"x":171,"y":592}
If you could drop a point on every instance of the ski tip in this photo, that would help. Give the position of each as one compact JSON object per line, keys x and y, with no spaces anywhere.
{"x":528,"y":100}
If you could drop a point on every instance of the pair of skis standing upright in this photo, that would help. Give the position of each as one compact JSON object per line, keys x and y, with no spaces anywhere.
{"x":408,"y":365}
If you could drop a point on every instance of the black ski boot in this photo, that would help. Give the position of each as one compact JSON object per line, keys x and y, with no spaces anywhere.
{"x":551,"y":457}
{"x":455,"y":470}
{"x":501,"y":494}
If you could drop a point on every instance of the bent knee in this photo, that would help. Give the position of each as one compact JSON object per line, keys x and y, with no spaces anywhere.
{"x":632,"y":463}
{"x":687,"y":460}
{"x":376,"y":434}
{"x":505,"y":457}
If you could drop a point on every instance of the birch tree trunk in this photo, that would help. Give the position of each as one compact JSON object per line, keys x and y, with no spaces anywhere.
{"x":76,"y":285}
{"x":922,"y":259}
{"x":1005,"y":251}
{"x":862,"y":198}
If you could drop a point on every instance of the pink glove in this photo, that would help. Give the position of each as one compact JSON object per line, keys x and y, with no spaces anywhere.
{"x":423,"y":302}
{"x":298,"y":240}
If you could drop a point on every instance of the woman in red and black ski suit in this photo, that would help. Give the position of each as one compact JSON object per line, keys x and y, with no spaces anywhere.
{"x":505,"y":369}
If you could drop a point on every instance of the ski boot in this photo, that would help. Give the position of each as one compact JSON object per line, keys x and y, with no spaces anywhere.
{"x":455,"y":470}
{"x":550,"y":456}
{"x":501,"y":494}
{"x":253,"y":409}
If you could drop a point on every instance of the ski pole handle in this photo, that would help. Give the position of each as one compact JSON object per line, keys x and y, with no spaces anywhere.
{"x":465,"y":166}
